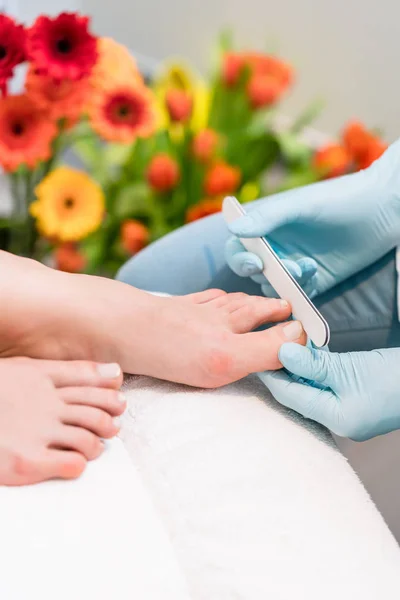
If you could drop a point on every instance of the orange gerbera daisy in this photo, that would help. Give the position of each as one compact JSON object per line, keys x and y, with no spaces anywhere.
{"x":123,"y":112}
{"x":115,"y":63}
{"x":25,"y":133}
{"x":206,"y":207}
{"x":59,"y":99}
{"x":69,"y":206}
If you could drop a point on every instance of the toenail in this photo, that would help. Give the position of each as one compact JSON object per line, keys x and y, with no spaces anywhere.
{"x":117,"y":422}
{"x":109,"y":371}
{"x":121,"y":397}
{"x":293,"y":331}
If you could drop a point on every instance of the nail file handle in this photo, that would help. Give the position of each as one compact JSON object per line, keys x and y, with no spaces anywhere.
{"x":281,"y":280}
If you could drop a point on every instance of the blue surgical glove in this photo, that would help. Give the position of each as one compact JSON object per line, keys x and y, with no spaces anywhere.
{"x":355,"y":394}
{"x":327,"y":231}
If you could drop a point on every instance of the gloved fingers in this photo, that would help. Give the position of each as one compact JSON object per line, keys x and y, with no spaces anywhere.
{"x":271,"y":214}
{"x":241,"y":262}
{"x":308,"y":268}
{"x":311,"y":402}
{"x":267,"y":290}
{"x":311,"y":287}
{"x":294,"y":268}
{"x":315,"y":365}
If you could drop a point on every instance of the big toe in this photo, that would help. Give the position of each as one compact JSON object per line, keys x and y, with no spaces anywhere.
{"x":81,"y":373}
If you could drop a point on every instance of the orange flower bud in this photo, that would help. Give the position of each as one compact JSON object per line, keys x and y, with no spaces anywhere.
{"x":356,"y":139}
{"x":332,"y":161}
{"x":222,"y":179}
{"x":204,"y":145}
{"x":163,"y":173}
{"x":373,"y":151}
{"x":69,"y":259}
{"x":267,"y":64}
{"x":263,"y":90}
{"x":179,"y":105}
{"x":207,"y":207}
{"x":232,"y":66}
{"x":134,"y":236}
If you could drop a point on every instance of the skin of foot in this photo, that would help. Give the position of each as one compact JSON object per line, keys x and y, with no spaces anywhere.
{"x":203,"y":340}
{"x":53,"y":417}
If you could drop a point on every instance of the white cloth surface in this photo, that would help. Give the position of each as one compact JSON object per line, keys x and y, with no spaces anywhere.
{"x":258,"y":502}
{"x":96,"y":538}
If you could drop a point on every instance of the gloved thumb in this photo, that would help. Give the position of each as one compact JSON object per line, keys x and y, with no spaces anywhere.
{"x":315,"y":365}
{"x":273,"y":213}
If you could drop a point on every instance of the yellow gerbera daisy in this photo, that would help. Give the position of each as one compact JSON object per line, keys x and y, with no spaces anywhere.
{"x":69,"y":205}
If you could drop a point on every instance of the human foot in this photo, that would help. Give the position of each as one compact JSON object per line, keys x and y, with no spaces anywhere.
{"x":208,"y":339}
{"x":203,"y":340}
{"x":53,"y":416}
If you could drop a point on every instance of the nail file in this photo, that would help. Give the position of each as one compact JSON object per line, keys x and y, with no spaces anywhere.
{"x":281,"y":280}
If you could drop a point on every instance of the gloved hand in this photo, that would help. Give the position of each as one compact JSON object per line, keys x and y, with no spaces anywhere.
{"x":355,"y":395}
{"x":344,"y":224}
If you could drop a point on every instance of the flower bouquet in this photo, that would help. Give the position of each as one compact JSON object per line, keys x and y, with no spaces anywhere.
{"x":100,"y":163}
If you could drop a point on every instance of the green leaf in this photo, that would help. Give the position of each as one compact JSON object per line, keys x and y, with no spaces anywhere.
{"x":252,"y":155}
{"x":89,"y":150}
{"x":115,"y":155}
{"x":293,"y":150}
{"x":298,"y":179}
{"x":308,"y":116}
{"x":131,"y":200}
{"x":225,"y":41}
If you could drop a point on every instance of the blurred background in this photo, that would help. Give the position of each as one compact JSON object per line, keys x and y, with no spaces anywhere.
{"x":343,"y":52}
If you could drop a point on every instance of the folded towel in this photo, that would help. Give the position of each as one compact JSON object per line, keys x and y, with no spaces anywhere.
{"x":258,"y":502}
{"x":96,"y":538}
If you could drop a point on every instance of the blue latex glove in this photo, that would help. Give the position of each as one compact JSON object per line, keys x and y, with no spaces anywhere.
{"x":344,"y":224}
{"x":355,"y":395}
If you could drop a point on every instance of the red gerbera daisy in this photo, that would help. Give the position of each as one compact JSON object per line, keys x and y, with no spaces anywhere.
{"x":63,"y":47}
{"x":122,"y":112}
{"x":12,"y":48}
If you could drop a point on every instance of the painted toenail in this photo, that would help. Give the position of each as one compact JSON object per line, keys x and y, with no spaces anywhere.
{"x":293,"y":331}
{"x":117,"y":422}
{"x":121,"y":397}
{"x":109,"y":371}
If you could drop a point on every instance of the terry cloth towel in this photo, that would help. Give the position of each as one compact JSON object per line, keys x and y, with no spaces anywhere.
{"x":258,"y":502}
{"x":96,"y":538}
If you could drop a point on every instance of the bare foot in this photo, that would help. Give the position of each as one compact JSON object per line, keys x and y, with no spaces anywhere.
{"x":204,"y":340}
{"x":53,"y":416}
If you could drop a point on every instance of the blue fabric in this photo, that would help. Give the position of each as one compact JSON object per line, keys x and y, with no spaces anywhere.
{"x":361,"y":311}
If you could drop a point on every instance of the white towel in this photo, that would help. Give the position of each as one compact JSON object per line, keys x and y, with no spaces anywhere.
{"x":258,"y":502}
{"x":96,"y":538}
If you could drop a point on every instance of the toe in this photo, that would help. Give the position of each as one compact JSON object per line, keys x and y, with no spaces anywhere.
{"x":81,"y":373}
{"x":91,"y":419}
{"x":206,"y":296}
{"x":256,"y":311}
{"x":259,"y":351}
{"x":64,"y":464}
{"x":77,"y":439}
{"x":50,"y":464}
{"x":111,"y":401}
